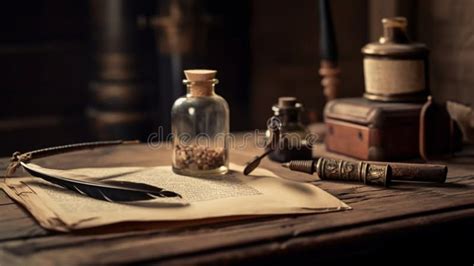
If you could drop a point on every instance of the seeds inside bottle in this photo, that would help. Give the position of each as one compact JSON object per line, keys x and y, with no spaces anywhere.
{"x":200,"y":113}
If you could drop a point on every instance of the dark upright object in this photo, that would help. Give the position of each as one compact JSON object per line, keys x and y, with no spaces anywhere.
{"x":440,"y":135}
{"x":327,"y":39}
{"x":328,"y":51}
{"x":119,"y":86}
{"x":283,"y":129}
{"x":294,"y":137}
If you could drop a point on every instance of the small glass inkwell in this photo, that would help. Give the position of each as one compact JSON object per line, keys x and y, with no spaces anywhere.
{"x":293,"y":141}
{"x":200,"y":127}
{"x":286,"y":137}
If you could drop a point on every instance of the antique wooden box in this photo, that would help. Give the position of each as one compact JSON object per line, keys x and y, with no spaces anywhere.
{"x":371,"y":130}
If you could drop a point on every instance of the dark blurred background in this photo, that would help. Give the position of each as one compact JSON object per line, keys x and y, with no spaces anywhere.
{"x":105,"y":69}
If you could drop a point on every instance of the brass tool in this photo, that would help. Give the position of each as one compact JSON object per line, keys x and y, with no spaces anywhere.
{"x":370,"y":173}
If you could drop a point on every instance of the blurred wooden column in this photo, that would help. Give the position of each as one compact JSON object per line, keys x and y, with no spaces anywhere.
{"x":119,"y":89}
{"x":181,"y":34}
{"x":328,"y":69}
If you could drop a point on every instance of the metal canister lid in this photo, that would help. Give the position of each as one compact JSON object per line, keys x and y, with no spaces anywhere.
{"x":395,"y":41}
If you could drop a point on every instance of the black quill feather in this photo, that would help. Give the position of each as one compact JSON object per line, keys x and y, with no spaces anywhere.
{"x":112,"y":191}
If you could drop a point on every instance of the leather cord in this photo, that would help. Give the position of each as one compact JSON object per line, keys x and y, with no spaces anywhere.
{"x":19,"y":157}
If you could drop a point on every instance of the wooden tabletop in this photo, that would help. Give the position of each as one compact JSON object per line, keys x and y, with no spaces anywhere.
{"x":431,"y":221}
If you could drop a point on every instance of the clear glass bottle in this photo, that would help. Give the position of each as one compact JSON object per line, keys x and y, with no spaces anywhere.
{"x":200,"y":127}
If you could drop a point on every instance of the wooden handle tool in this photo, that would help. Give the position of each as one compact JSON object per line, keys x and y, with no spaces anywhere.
{"x":371,"y":173}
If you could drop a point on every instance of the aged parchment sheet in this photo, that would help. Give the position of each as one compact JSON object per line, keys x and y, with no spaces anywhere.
{"x":262,"y":193}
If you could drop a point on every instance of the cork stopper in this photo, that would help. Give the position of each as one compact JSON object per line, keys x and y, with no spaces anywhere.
{"x":399,"y":22}
{"x":287,"y":102}
{"x":200,"y":74}
{"x":200,"y":81}
{"x":394,"y":30}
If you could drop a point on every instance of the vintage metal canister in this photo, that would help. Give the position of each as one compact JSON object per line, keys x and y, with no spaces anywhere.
{"x":396,"y":69}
